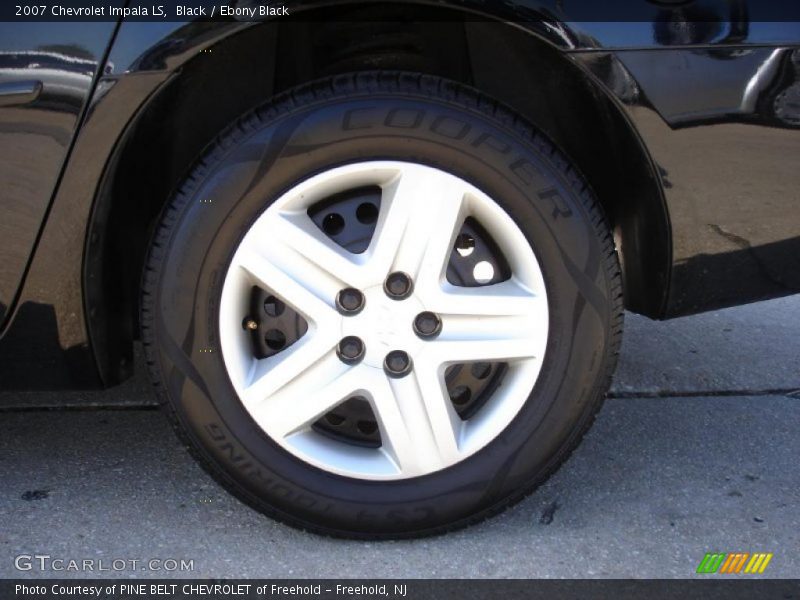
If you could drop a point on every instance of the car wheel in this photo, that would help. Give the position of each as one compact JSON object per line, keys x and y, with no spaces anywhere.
{"x":382,"y":305}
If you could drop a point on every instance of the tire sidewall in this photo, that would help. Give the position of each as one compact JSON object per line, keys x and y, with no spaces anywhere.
{"x":278,"y":148}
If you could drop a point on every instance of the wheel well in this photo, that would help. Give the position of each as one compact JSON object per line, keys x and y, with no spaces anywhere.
{"x":241,"y":71}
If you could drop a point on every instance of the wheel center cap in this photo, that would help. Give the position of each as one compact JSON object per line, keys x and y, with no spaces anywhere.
{"x":385,"y":325}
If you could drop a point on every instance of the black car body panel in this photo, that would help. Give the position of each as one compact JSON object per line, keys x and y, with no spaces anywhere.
{"x":708,"y":94}
{"x":721,"y":123}
{"x":46,"y":78}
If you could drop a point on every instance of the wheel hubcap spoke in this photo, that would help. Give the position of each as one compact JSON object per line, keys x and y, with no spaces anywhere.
{"x":501,"y":322}
{"x":320,"y":387}
{"x":295,"y":368}
{"x":419,"y":426}
{"x":285,"y":276}
{"x":425,"y":210}
{"x":293,"y":243}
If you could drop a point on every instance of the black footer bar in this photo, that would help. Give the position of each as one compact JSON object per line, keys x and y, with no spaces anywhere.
{"x":396,"y":589}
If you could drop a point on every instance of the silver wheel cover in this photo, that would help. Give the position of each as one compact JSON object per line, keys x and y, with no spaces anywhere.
{"x":422,"y":209}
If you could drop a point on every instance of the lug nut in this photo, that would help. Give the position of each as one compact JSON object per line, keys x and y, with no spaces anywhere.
{"x":250,"y":324}
{"x":349,"y":301}
{"x":398,"y":285}
{"x":427,"y":324}
{"x":350,"y":350}
{"x":397,"y":364}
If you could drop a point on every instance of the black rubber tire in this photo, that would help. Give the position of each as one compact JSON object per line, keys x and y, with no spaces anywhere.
{"x":348,"y":118}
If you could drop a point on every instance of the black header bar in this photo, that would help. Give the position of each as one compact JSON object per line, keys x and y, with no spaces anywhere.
{"x":508,"y":10}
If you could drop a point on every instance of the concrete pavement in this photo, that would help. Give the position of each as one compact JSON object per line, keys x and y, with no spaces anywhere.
{"x":697,"y":453}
